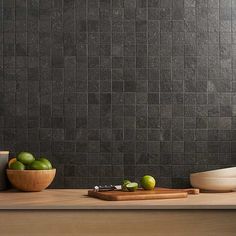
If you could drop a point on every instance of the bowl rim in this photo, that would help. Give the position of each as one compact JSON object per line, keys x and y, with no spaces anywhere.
{"x":215,"y":178}
{"x":11,"y":170}
{"x":214,"y":171}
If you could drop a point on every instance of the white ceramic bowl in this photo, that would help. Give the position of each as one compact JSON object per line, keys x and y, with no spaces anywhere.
{"x":213,"y":184}
{"x":220,"y":173}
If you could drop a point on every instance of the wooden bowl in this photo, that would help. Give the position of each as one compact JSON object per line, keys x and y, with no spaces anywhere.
{"x":31,"y":180}
{"x":219,"y":173}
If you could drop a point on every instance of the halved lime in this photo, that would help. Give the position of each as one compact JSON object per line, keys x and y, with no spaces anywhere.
{"x":11,"y":161}
{"x":132,"y":186}
{"x":125,"y":182}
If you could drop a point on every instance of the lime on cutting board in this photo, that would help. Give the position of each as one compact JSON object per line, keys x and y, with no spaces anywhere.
{"x":132,"y":186}
{"x":125,"y":182}
{"x":148,"y":182}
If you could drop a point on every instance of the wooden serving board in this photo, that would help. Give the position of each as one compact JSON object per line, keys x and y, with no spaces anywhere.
{"x":140,"y":194}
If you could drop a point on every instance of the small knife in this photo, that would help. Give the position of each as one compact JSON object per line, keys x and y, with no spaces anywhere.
{"x":101,"y":188}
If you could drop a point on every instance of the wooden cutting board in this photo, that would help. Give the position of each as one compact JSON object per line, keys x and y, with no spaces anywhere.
{"x":140,"y":194}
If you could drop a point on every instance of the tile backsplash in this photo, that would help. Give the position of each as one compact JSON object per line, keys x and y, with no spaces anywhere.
{"x":114,"y":89}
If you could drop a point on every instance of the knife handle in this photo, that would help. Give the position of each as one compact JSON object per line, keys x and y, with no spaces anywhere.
{"x":104,"y":188}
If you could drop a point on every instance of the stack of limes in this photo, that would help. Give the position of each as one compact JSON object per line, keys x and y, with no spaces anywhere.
{"x":26,"y":160}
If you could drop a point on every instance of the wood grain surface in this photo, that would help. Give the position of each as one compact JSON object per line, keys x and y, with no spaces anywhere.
{"x":63,"y":199}
{"x":31,"y":180}
{"x":69,"y":212}
{"x":119,"y":222}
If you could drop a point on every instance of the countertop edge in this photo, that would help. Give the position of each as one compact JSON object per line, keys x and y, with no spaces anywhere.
{"x":151,"y":207}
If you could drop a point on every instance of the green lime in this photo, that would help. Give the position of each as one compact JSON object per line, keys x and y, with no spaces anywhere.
{"x":148,"y":182}
{"x":17,"y":166}
{"x":46,"y":161}
{"x":25,"y":157}
{"x":125,"y":182}
{"x":132,"y":186}
{"x":38,"y":165}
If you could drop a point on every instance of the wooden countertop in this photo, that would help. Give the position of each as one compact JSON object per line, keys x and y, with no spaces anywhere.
{"x":66,"y":199}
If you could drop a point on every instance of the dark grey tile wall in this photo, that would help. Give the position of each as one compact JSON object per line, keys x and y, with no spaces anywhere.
{"x":118,"y":89}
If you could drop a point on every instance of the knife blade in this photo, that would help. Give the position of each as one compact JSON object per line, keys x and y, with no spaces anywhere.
{"x":101,"y":188}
